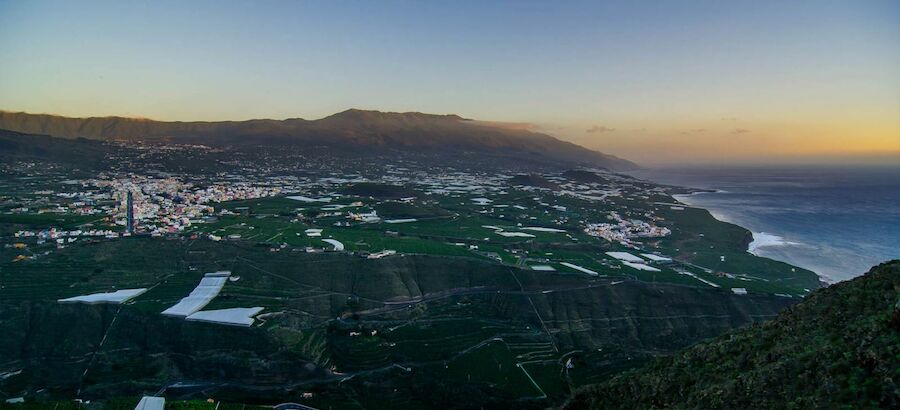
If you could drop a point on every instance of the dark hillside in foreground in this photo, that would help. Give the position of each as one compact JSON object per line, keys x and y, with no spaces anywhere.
{"x":838,"y":348}
{"x":45,"y":347}
{"x":370,"y":132}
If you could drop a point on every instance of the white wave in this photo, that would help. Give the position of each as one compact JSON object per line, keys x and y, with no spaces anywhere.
{"x":763,"y":240}
{"x":698,"y":193}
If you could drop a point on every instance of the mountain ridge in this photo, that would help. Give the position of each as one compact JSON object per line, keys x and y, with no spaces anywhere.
{"x":365,"y":129}
{"x":835,"y":349}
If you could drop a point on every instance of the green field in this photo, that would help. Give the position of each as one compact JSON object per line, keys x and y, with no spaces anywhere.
{"x":456,"y":314}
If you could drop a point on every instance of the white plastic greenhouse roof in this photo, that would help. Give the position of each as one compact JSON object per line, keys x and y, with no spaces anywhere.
{"x":119,"y":296}
{"x":206,"y":290}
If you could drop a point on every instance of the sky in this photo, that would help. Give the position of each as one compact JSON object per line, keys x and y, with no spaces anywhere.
{"x":656,"y":82}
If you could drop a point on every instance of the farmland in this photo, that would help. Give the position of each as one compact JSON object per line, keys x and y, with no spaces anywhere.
{"x":432,"y":294}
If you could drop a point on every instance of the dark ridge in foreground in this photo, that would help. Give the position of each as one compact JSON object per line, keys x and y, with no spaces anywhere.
{"x":838,"y":348}
{"x":371,"y":132}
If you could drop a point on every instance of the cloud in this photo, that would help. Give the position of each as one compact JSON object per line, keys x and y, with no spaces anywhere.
{"x":694,"y":131}
{"x":740,"y":131}
{"x":599,"y":129}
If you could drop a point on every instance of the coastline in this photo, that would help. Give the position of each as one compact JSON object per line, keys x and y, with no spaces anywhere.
{"x":760,"y":240}
{"x":837,"y":221}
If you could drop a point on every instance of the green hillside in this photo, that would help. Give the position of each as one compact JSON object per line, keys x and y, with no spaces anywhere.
{"x":839,"y":348}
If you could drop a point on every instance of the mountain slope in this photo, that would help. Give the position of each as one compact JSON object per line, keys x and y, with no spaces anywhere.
{"x":349,"y":130}
{"x":19,"y":146}
{"x":839,"y":347}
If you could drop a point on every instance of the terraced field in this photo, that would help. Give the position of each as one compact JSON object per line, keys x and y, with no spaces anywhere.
{"x":456,"y":316}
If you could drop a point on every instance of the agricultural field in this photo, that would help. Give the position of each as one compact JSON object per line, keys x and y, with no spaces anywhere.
{"x":377,"y":290}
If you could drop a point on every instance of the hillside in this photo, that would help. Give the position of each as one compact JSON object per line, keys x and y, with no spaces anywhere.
{"x":352,"y":130}
{"x":533,"y":180}
{"x":839,"y":347}
{"x":45,"y":346}
{"x":19,"y":146}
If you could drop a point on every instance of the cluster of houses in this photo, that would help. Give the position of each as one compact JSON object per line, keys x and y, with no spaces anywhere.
{"x":623,"y":231}
{"x":63,"y":236}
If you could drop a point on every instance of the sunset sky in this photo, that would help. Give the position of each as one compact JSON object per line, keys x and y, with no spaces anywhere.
{"x":656,"y":82}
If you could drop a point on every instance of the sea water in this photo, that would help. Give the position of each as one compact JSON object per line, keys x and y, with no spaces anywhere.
{"x":837,"y":221}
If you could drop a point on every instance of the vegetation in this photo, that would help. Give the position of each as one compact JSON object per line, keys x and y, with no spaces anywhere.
{"x":584,"y":176}
{"x":457,"y":314}
{"x":533,"y":180}
{"x":438,"y":316}
{"x":125,"y":403}
{"x":381,"y":191}
{"x":19,"y":146}
{"x":404,"y":210}
{"x":838,"y":348}
{"x":371,"y":132}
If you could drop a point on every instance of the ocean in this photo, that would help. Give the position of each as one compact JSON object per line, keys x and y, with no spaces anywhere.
{"x":837,"y":221}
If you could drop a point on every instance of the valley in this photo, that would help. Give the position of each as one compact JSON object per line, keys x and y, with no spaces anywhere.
{"x":377,"y":285}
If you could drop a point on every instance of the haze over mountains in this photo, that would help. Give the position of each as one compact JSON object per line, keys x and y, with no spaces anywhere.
{"x":353,"y":130}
